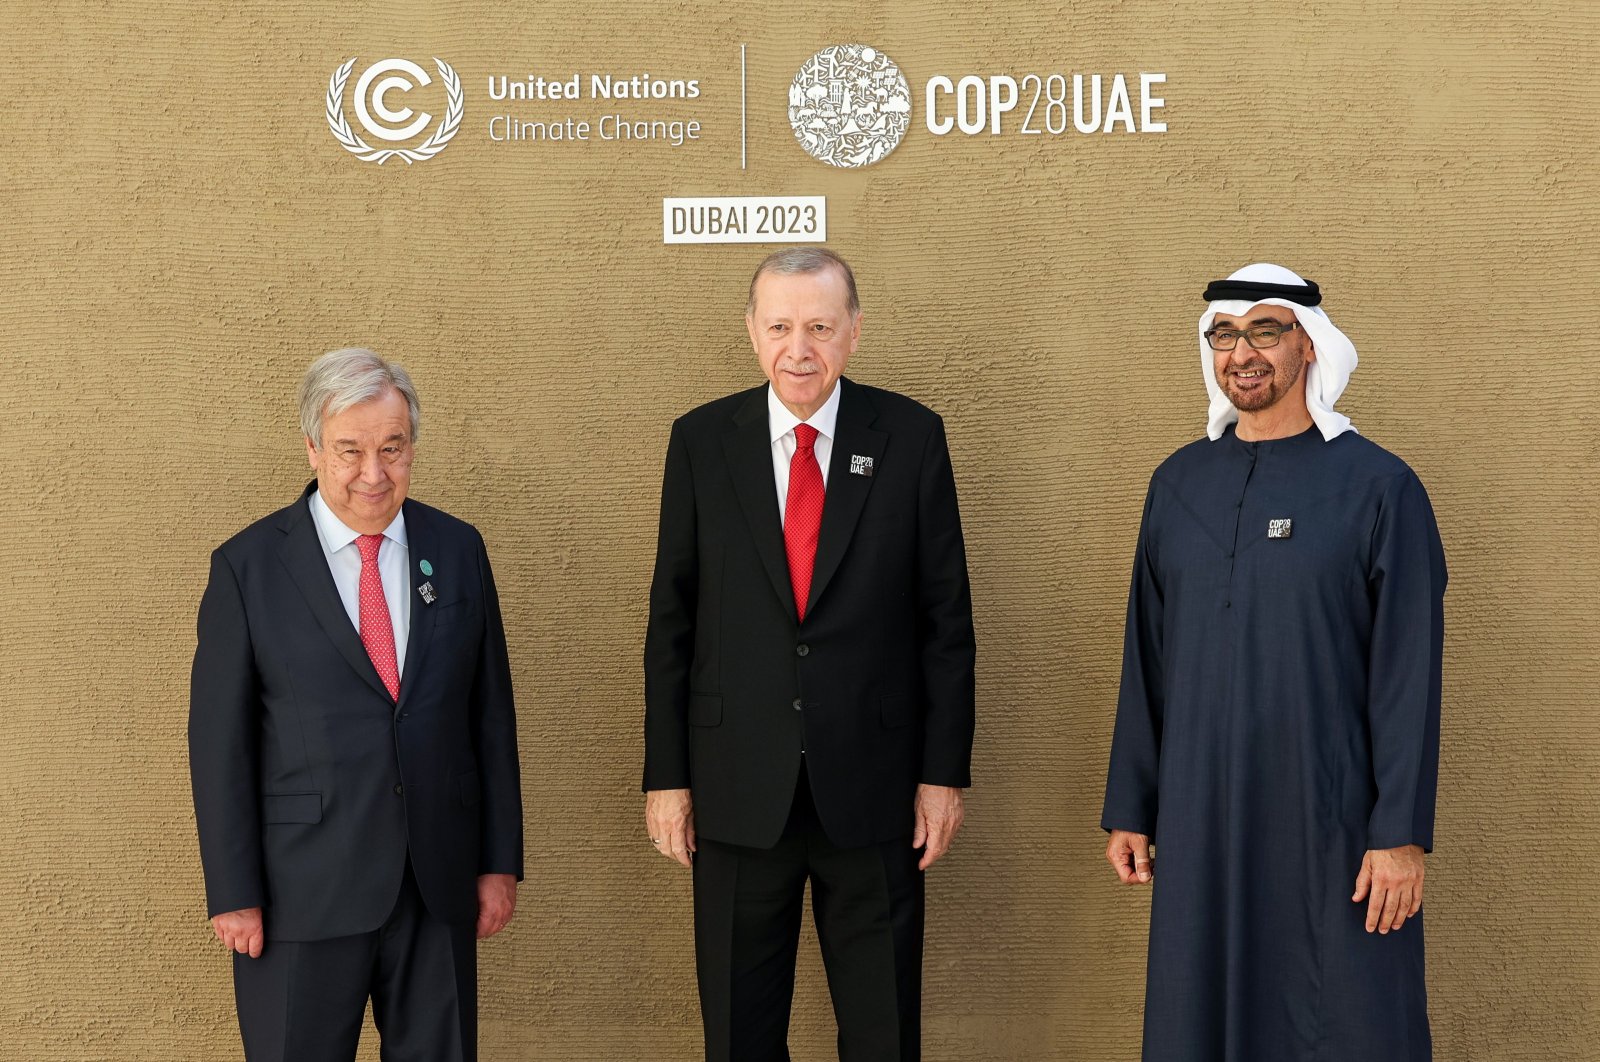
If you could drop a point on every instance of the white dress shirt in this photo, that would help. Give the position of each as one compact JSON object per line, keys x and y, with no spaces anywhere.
{"x":344,"y":561}
{"x":780,"y":427}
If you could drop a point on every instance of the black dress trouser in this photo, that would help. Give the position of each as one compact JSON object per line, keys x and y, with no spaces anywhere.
{"x":868,"y":906}
{"x":304,"y":1001}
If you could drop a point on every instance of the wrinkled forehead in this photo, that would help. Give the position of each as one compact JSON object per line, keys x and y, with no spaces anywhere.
{"x":1259,"y":314}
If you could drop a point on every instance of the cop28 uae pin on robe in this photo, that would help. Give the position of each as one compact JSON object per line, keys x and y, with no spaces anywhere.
{"x":428,"y":593}
{"x":860,"y":465}
{"x":1280,"y":528}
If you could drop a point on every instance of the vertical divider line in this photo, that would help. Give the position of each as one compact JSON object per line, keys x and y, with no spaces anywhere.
{"x":742,"y":136}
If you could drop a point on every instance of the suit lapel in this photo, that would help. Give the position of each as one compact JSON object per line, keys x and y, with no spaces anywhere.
{"x":308,"y":567}
{"x":422,"y":542}
{"x":749,"y":451}
{"x":846,"y":494}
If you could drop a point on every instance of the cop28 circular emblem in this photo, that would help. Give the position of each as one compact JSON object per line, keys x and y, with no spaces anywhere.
{"x":382,"y":121}
{"x":849,"y":105}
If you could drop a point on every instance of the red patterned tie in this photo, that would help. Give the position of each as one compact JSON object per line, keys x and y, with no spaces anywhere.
{"x":377,"y":628}
{"x":802,"y":514}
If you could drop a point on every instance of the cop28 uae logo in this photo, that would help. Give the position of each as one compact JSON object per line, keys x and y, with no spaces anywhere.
{"x":372,"y":105}
{"x":849,"y":105}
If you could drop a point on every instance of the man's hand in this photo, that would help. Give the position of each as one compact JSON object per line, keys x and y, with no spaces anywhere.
{"x":497,"y":899}
{"x":241,"y":931}
{"x":937,"y":816}
{"x":1129,"y":855}
{"x":1391,"y":883}
{"x":669,"y":816}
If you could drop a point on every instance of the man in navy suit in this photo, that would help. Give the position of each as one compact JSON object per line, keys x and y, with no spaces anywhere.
{"x":809,"y":683}
{"x":353,"y":746}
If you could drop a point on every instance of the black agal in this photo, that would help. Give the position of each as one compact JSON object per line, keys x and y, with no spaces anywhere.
{"x":1307,"y":294}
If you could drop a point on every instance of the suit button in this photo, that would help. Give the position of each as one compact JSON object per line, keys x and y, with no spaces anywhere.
{"x":802,"y":650}
{"x":399,"y":790}
{"x":797,"y":704}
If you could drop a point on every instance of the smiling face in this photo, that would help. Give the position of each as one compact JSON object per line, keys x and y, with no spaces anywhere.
{"x":1257,"y":380}
{"x":804,"y":333}
{"x":364,"y":462}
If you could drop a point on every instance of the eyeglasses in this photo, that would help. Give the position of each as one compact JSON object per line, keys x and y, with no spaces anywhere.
{"x":1261,"y":337}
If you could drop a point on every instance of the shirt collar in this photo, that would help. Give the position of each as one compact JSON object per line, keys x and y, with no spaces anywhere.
{"x":336,"y":535}
{"x":781,"y":422}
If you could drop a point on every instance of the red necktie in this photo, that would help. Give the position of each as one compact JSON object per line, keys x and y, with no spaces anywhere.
{"x":377,"y":628}
{"x":802,"y":514}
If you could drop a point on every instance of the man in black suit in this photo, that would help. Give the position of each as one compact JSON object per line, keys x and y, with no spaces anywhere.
{"x":353,"y":747}
{"x":808,"y":675}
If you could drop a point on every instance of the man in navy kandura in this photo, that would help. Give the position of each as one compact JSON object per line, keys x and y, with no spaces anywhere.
{"x":1277,"y":733}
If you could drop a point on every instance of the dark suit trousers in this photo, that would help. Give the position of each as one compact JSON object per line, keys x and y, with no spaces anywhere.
{"x":304,"y":1001}
{"x":868,"y":906}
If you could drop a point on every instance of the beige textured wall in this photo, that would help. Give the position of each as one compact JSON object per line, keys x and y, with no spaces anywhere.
{"x":179,"y":236}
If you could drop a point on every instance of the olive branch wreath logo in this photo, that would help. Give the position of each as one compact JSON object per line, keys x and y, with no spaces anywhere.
{"x":430,"y":147}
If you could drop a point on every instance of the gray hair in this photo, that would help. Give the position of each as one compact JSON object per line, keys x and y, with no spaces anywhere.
{"x":792,"y":260}
{"x":344,"y":378}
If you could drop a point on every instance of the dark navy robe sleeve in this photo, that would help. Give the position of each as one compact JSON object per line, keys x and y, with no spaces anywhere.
{"x":1131,"y":799}
{"x":1406,"y":581}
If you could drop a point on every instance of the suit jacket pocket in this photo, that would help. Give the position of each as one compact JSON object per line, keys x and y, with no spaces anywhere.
{"x":469,"y":788}
{"x":291,"y":807}
{"x":705,"y":709}
{"x":896,"y":709}
{"x":453,"y":612}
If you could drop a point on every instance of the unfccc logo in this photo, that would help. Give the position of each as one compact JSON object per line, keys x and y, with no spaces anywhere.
{"x":849,"y":105}
{"x":373,"y":91}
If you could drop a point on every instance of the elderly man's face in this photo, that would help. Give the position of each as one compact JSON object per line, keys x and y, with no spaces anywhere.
{"x":804,"y":333}
{"x":364,"y":463}
{"x":1253,"y":379}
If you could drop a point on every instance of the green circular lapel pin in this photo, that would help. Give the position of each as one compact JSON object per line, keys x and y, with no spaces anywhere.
{"x":427,"y":569}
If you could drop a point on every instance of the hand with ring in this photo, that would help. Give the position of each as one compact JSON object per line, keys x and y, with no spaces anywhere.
{"x":669,"y":815}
